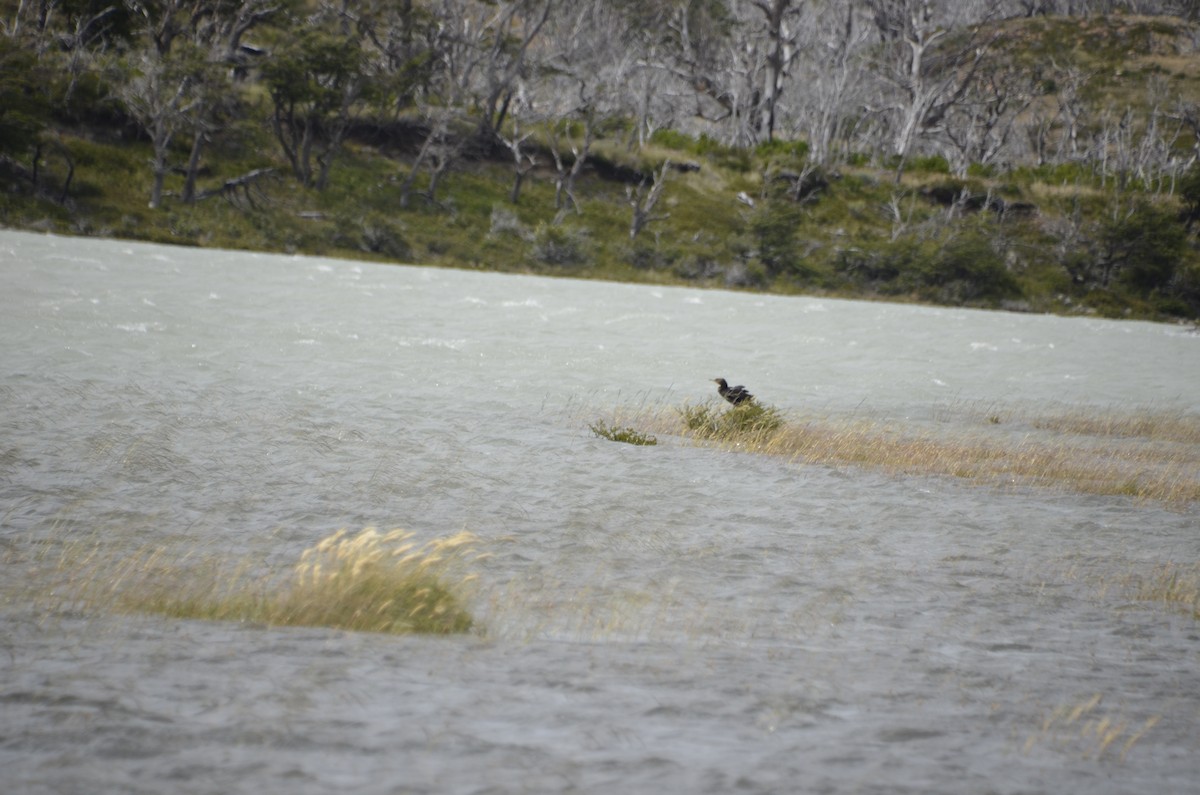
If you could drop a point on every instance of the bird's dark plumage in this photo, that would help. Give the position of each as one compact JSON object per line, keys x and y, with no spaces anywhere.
{"x":734,"y":394}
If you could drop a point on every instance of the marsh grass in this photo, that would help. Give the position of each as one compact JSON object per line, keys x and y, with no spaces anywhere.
{"x":1144,"y":454}
{"x":369,"y":582}
{"x":1149,"y":424}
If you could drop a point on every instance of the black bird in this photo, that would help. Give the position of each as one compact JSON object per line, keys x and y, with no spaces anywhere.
{"x":734,"y":394}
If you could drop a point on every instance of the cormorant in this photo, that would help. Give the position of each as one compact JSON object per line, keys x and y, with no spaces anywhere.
{"x":734,"y":394}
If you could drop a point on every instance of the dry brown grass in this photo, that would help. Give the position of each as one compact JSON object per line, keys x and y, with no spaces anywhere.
{"x":1144,"y":454}
{"x":369,"y":581}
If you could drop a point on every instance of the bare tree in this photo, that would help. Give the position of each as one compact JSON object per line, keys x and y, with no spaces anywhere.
{"x":159,"y":94}
{"x":567,"y":173}
{"x":524,"y":161}
{"x":981,"y":126}
{"x":781,"y":28}
{"x":461,"y":40}
{"x":510,"y":33}
{"x":927,"y":79}
{"x":832,"y":79}
{"x":315,"y":83}
{"x":642,"y":201}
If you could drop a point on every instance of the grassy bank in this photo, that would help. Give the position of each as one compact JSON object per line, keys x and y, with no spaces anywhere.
{"x":857,"y":234}
{"x":1094,"y":212}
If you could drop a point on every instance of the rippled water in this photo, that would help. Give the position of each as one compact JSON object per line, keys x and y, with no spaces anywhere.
{"x":664,"y":619}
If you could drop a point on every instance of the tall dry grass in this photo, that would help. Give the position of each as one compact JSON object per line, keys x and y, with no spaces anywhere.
{"x":369,"y":581}
{"x":1144,"y":454}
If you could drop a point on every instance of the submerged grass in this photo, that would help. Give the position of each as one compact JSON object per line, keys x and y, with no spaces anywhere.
{"x":1086,"y":727}
{"x":1146,"y":454}
{"x":369,"y":582}
{"x":1173,"y":585}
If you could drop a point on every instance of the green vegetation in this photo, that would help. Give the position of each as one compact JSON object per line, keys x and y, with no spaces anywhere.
{"x":369,"y":582}
{"x":622,"y":434}
{"x":280,"y":162}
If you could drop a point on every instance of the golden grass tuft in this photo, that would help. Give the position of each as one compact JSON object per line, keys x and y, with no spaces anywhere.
{"x":368,"y":582}
{"x":1145,"y":454}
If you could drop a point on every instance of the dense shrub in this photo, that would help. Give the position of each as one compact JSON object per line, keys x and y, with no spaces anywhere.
{"x":1189,"y":195}
{"x":1142,"y":248}
{"x":559,"y":245}
{"x":879,"y":265}
{"x":773,"y":224}
{"x":797,"y":150}
{"x":968,"y":269}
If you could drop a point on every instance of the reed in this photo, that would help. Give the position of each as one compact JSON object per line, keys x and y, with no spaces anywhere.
{"x":369,"y":582}
{"x":1143,"y":454}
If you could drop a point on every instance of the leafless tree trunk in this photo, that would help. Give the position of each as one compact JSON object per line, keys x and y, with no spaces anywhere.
{"x":832,"y":80}
{"x":505,"y":58}
{"x":980,"y":127}
{"x":927,"y":82}
{"x":642,"y":201}
{"x":523,"y":161}
{"x":779,"y":19}
{"x":565,"y":175}
{"x":159,"y":99}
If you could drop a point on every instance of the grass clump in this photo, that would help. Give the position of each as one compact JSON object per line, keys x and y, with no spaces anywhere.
{"x":751,"y":422}
{"x":367,"y":582}
{"x":622,"y":434}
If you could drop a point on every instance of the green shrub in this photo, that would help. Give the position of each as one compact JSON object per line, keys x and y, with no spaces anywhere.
{"x":774,"y":224}
{"x":1189,"y":194}
{"x":927,"y":164}
{"x":673,"y":139}
{"x":968,"y":268}
{"x":559,"y":245}
{"x":373,"y":233}
{"x":1143,"y":248}
{"x":880,"y":264}
{"x":649,"y":255}
{"x":797,"y":150}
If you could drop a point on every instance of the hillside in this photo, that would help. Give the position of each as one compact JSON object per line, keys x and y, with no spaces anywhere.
{"x":1089,"y":208}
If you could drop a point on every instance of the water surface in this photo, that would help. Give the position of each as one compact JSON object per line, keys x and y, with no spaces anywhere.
{"x":662,"y":619}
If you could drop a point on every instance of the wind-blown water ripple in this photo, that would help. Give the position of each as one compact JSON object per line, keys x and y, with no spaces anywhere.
{"x":658,"y":619}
